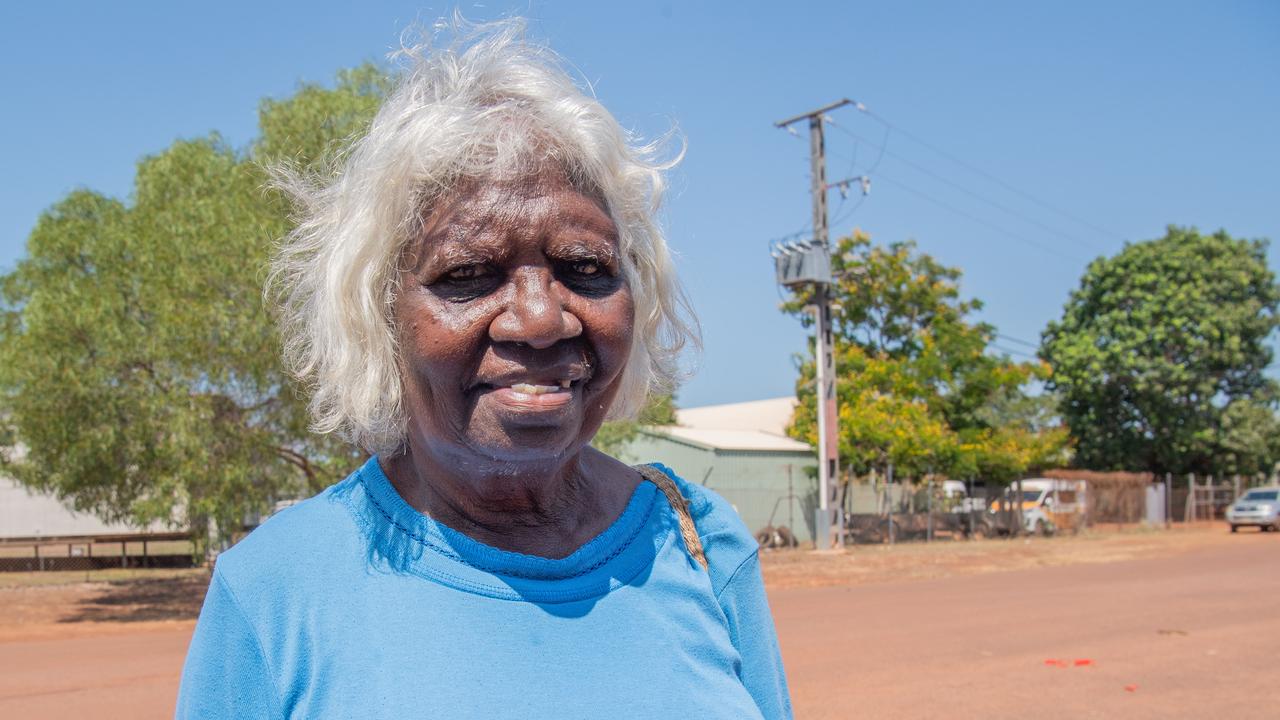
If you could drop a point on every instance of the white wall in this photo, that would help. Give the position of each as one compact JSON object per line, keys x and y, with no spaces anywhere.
{"x":25,"y":514}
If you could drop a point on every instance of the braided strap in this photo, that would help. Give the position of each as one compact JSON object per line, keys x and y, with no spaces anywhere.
{"x":692,"y":543}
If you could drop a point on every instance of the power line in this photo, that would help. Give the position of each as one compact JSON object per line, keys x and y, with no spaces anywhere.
{"x":819,"y":225}
{"x":1047,"y":248}
{"x":1011,"y":351}
{"x":952,"y":209}
{"x":978,"y":171}
{"x":967,"y":191}
{"x":800,"y":234}
{"x":1016,"y":340}
{"x":884,"y":143}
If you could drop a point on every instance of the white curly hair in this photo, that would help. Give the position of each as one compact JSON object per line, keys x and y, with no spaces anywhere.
{"x":490,"y":106}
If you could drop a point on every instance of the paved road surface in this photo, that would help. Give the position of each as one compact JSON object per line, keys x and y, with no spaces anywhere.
{"x":1198,"y":634}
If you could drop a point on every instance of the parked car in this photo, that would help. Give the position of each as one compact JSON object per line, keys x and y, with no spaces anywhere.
{"x":1259,"y":507}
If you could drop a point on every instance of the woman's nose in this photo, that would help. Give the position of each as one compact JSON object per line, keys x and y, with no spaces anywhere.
{"x":535,"y":314}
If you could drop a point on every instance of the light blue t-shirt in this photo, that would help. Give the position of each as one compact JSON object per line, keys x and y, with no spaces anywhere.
{"x":354,"y":605}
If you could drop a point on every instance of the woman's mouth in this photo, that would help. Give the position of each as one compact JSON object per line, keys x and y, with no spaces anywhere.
{"x":534,"y":396}
{"x":532,"y":389}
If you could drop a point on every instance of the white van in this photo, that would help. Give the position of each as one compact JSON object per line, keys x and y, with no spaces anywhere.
{"x":1049,"y":505}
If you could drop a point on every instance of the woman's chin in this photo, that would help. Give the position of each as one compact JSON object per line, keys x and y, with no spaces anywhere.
{"x":527,"y":449}
{"x":527,"y":429}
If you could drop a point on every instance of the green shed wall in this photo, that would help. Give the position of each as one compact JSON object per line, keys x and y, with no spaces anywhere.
{"x":753,"y":481}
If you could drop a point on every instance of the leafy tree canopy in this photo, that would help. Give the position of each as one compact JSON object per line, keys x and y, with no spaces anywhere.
{"x":139,"y":367}
{"x":614,"y":436}
{"x":915,"y":384}
{"x":1160,"y":356}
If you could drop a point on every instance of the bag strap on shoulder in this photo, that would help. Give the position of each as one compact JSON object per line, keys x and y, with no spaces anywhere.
{"x":692,"y":543}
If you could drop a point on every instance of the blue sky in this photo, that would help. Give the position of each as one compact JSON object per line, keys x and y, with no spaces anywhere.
{"x":1101,"y":122}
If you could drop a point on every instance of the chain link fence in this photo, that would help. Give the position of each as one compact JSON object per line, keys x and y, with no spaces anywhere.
{"x":874,"y":511}
{"x":85,"y":553}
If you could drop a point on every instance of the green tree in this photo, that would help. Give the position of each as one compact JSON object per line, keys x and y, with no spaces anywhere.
{"x":1248,"y":441}
{"x":139,"y":367}
{"x":914,"y":378}
{"x":314,"y":124}
{"x":614,"y":436}
{"x":1160,"y":356}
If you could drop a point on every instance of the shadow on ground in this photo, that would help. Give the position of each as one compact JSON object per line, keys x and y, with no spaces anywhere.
{"x":175,"y":598}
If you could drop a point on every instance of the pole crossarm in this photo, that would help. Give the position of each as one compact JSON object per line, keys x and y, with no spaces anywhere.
{"x":813,"y":113}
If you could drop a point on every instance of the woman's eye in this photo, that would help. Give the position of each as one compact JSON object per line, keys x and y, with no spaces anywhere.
{"x":466,"y":282}
{"x":466,"y":273}
{"x":586,"y":268}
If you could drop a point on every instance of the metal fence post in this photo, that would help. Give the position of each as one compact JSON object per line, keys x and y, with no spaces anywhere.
{"x":1022,"y":518}
{"x":929,"y":534}
{"x":1189,"y":508}
{"x":889,"y":485}
{"x":969,"y":506}
{"x":791,"y":503}
{"x":1168,"y":500}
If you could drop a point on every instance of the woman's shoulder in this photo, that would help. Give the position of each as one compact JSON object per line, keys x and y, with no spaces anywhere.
{"x":725,"y":538}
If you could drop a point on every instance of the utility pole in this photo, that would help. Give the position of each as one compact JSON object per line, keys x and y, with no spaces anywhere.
{"x":811,"y":265}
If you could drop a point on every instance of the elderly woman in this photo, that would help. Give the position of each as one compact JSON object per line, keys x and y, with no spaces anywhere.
{"x":478,"y":289}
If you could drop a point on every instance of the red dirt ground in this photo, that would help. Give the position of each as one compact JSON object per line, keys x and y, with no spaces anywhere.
{"x":1173,"y":625}
{"x":1190,"y":634}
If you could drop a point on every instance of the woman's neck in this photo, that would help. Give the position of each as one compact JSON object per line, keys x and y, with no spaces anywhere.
{"x":547,"y":510}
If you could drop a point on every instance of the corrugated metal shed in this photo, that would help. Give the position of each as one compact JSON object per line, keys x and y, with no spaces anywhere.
{"x":740,"y":450}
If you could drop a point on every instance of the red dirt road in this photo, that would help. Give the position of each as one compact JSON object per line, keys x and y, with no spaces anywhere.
{"x":1194,"y":635}
{"x":1187,"y":621}
{"x":113,"y":676}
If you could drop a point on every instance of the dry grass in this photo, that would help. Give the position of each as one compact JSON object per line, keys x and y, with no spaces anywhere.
{"x":78,"y":577}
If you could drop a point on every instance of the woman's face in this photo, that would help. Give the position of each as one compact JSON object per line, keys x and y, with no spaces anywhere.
{"x":515,"y":323}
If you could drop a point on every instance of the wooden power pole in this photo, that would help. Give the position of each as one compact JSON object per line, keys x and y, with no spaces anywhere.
{"x":810,"y":264}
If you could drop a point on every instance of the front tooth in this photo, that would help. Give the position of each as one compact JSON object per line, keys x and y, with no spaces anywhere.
{"x":531,"y":389}
{"x":565,"y":384}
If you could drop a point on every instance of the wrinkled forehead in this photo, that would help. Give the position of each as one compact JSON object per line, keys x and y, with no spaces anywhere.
{"x":505,"y":206}
{"x":489,"y":194}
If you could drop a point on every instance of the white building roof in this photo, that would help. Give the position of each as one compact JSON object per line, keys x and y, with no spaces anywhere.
{"x":731,"y":439}
{"x":754,"y":425}
{"x":769,"y":416}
